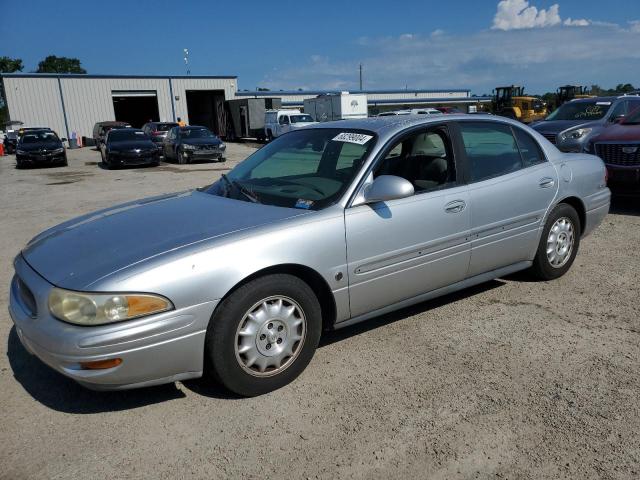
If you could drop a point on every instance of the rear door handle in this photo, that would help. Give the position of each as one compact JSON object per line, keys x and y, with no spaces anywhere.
{"x":456,"y":206}
{"x":546,"y":182}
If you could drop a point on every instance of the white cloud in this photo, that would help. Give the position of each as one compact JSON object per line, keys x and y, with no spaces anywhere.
{"x":479,"y":61}
{"x":518,"y":14}
{"x":578,"y":22}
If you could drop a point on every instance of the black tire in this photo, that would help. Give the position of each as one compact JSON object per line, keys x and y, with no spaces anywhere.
{"x":542,"y":267}
{"x":64,"y":163}
{"x":221,"y":339}
{"x":181,"y":158}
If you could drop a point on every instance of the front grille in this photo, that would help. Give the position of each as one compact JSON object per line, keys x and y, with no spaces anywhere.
{"x":550,"y":136}
{"x":614,"y":154}
{"x":206,"y":147}
{"x":27,"y":298}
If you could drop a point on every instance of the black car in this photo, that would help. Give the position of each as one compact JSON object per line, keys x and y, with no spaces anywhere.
{"x":10,"y":141}
{"x":40,"y":147}
{"x":128,"y":146}
{"x":158,"y":131}
{"x":186,"y":144}
{"x":101,"y":129}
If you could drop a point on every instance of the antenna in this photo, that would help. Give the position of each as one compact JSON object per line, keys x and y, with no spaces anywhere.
{"x":186,"y":60}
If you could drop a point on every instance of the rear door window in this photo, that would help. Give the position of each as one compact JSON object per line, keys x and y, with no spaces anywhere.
{"x":491,"y":149}
{"x":530,"y":151}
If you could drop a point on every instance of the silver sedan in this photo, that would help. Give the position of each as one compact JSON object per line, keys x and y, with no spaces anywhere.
{"x":322,"y":228}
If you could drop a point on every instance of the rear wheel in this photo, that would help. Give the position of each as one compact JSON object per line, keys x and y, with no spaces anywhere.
{"x":263,"y":335}
{"x":558,"y":244}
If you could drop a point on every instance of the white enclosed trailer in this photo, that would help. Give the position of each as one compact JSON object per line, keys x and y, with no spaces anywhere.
{"x":340,"y":106}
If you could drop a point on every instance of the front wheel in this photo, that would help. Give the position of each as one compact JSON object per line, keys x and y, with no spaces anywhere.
{"x":263,"y":335}
{"x":558,"y":244}
{"x":181,"y":158}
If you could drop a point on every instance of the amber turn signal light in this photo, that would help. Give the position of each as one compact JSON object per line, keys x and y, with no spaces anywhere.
{"x":101,"y":364}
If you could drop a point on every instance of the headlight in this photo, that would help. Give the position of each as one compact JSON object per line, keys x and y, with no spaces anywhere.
{"x":222,"y":146}
{"x":186,"y":146}
{"x":575,"y":134}
{"x":58,"y":150}
{"x":102,"y":308}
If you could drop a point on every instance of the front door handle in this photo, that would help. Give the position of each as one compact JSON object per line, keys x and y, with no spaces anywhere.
{"x":456,"y":206}
{"x":546,"y":182}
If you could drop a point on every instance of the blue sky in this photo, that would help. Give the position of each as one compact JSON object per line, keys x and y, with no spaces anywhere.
{"x":474,"y":44}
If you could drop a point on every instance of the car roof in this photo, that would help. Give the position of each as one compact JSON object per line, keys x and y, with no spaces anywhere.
{"x":193,"y":127}
{"x":112,"y":122}
{"x":594,"y":99}
{"x":162,"y":123}
{"x":400,"y":122}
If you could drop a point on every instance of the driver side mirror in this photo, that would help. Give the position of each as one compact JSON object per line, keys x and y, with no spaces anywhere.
{"x":388,"y":187}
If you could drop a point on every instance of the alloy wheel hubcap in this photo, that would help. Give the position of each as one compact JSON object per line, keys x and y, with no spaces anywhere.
{"x":270,"y":336}
{"x":560,"y":242}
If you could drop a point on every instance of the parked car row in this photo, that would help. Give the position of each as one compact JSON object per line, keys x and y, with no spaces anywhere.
{"x":604,"y":126}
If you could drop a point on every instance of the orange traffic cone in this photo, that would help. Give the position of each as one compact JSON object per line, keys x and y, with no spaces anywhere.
{"x":1,"y":149}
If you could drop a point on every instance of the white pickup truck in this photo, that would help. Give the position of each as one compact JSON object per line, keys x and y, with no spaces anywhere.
{"x":277,"y":122}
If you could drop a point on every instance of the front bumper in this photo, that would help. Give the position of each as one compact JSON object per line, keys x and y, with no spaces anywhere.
{"x":120,"y":159}
{"x":156,"y":349}
{"x":37,"y":159}
{"x":195,"y":155}
{"x":624,"y":180}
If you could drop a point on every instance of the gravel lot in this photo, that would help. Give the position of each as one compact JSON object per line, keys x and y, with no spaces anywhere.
{"x":511,"y":379}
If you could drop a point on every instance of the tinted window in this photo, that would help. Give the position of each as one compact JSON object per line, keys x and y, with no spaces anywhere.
{"x":37,"y":137}
{"x":423,"y":158}
{"x":127,"y":135}
{"x":163,"y":127}
{"x":529,"y":148}
{"x":301,"y":118}
{"x":196,"y":133}
{"x":491,"y":150}
{"x":581,"y":111}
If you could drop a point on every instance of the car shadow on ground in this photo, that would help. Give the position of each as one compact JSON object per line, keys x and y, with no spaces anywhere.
{"x":62,"y":394}
{"x":332,"y":336}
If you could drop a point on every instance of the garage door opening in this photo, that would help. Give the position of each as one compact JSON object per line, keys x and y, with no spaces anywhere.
{"x":206,"y":108}
{"x":135,"y":107}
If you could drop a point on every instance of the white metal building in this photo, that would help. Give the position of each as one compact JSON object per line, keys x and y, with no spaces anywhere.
{"x":380,"y":100}
{"x":74,"y":103}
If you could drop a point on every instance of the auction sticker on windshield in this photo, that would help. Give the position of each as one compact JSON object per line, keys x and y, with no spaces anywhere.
{"x":358,"y":138}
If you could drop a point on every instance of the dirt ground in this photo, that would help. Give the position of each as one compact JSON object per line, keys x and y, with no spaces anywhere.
{"x":511,"y":379}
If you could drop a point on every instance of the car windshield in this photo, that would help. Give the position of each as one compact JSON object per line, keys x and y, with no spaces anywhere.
{"x":308,"y":169}
{"x":126,"y":135}
{"x":163,"y":127}
{"x":580,"y":111}
{"x":300,"y":118}
{"x":196,"y":133}
{"x":633,"y":118}
{"x":37,"y":137}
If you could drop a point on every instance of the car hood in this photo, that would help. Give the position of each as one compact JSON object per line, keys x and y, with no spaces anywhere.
{"x":32,"y":147}
{"x":201,"y":141}
{"x":80,"y":252}
{"x":557,"y":126}
{"x":620,"y":132}
{"x":131,"y":145}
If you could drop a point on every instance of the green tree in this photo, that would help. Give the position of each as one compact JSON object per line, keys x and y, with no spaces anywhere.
{"x":7,"y":65}
{"x":53,"y":64}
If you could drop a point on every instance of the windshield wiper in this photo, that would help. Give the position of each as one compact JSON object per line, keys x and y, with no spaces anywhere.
{"x":241,"y":188}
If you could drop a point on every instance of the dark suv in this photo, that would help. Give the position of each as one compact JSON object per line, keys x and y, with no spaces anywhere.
{"x":100,"y":130}
{"x":619,"y":148}
{"x":572,"y":125}
{"x":157,"y":131}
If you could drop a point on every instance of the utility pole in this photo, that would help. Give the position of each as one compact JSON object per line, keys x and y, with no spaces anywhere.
{"x":186,"y":60}
{"x":360,"y":77}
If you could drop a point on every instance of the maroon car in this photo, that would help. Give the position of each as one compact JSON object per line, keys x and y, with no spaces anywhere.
{"x":619,"y":148}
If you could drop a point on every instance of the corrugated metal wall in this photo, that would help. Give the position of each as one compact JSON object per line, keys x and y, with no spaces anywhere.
{"x":37,"y":101}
